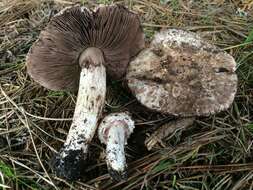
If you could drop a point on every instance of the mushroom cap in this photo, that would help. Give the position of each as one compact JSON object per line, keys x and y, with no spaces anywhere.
{"x":52,"y":61}
{"x":183,"y":75}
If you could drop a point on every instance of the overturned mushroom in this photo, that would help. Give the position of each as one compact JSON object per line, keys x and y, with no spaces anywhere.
{"x":182,"y":75}
{"x":74,"y":52}
{"x":114,"y":131}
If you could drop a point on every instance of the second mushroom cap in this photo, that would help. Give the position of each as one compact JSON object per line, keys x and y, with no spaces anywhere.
{"x":183,"y":75}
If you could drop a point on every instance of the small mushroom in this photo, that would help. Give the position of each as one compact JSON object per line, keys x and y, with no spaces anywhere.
{"x":182,"y":75}
{"x":114,"y":131}
{"x":75,"y":52}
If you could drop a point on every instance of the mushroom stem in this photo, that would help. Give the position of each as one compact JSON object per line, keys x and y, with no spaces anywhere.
{"x":89,"y":104}
{"x":168,"y":130}
{"x":114,"y":131}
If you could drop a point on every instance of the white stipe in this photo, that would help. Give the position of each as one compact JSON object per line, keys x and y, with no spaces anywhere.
{"x":114,"y":131}
{"x":89,"y":104}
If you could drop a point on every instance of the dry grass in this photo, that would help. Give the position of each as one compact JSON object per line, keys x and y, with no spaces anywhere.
{"x":215,"y":153}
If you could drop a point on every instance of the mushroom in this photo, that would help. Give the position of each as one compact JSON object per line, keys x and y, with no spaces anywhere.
{"x":114,"y":131}
{"x":75,"y":52}
{"x":183,"y":75}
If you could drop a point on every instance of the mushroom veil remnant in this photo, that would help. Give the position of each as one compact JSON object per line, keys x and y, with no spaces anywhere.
{"x":75,"y":52}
